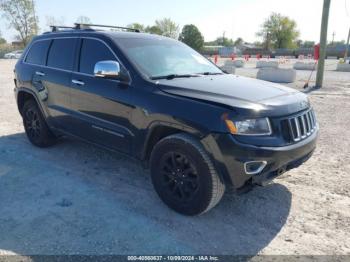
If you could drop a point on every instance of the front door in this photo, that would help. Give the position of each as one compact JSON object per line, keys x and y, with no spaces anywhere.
{"x":101,"y":106}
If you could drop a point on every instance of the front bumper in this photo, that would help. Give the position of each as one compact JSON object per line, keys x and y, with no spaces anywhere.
{"x":230,"y":155}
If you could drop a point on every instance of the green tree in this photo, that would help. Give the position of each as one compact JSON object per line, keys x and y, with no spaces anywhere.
{"x":299,"y":43}
{"x":164,"y":27}
{"x":2,"y":40}
{"x":191,"y":36}
{"x":305,"y":44}
{"x":137,"y":26}
{"x":279,"y":32}
{"x":21,"y":17}
{"x":258,"y":44}
{"x":239,"y":41}
{"x":153,"y":30}
{"x":168,"y":28}
{"x":224,"y":41}
{"x":336,"y":43}
{"x":220,"y":41}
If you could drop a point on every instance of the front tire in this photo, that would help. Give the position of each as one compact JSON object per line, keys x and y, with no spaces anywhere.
{"x":184,"y":176}
{"x":35,"y":125}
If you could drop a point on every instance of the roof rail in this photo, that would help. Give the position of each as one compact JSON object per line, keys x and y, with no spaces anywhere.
{"x":56,"y":28}
{"x":85,"y":26}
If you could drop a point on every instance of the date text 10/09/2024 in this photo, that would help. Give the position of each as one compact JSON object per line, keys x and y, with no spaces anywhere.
{"x":173,"y":258}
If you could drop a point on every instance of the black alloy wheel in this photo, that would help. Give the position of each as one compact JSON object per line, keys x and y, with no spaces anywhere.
{"x":35,"y":125}
{"x":180,"y":176}
{"x":184,"y":176}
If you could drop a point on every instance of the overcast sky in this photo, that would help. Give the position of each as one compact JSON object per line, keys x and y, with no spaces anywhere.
{"x":238,"y":18}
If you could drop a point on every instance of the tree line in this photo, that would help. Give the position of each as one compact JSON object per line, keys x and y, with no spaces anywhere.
{"x":190,"y":34}
{"x":277,"y":31}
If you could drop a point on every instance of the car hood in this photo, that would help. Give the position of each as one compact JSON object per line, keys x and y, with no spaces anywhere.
{"x":238,"y":92}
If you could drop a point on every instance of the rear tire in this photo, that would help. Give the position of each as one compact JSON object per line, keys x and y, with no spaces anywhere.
{"x":184,"y":176}
{"x":35,"y":125}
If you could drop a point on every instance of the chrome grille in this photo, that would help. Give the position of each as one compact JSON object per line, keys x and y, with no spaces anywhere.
{"x":302,"y":126}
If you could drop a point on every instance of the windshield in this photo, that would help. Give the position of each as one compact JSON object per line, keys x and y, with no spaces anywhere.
{"x":158,"y":57}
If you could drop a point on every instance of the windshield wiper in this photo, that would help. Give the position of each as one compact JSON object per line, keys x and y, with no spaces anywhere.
{"x":172,"y":76}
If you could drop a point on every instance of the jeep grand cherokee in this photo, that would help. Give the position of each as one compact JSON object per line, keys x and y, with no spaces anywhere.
{"x":199,"y":129}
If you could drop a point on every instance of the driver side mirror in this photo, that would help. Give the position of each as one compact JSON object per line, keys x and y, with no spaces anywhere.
{"x":107,"y":69}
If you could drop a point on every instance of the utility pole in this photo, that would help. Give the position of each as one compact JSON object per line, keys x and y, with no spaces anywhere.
{"x":333,"y":35}
{"x":347,"y":47}
{"x":323,"y":43}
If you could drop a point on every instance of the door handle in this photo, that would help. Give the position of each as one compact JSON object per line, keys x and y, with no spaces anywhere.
{"x":38,"y":73}
{"x":78,"y":82}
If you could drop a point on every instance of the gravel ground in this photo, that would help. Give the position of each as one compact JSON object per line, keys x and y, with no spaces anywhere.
{"x":78,"y":199}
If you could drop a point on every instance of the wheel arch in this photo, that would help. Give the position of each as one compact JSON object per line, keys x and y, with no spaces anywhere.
{"x":187,"y":140}
{"x":159,"y":130}
{"x":24,"y":95}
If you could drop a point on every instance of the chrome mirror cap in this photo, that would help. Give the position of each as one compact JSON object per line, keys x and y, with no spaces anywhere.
{"x":107,"y":69}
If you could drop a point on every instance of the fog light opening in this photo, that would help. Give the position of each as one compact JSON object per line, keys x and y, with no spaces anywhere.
{"x":254,"y":167}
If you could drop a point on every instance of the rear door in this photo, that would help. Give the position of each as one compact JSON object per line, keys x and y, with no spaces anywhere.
{"x":57,"y":80}
{"x":101,"y":106}
{"x":34,"y":69}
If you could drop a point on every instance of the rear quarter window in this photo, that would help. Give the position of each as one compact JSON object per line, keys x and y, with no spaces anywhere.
{"x":38,"y":52}
{"x":61,"y":54}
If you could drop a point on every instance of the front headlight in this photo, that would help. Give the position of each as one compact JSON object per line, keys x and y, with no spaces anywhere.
{"x":250,"y":127}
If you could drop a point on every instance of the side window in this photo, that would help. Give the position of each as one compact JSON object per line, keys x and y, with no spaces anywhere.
{"x":93,"y":51}
{"x":61,"y":54}
{"x":38,"y":52}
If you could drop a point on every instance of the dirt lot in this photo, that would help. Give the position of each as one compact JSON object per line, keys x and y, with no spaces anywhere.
{"x":77,"y":199}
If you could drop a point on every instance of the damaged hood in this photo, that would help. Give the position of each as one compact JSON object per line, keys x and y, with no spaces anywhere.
{"x":238,"y":92}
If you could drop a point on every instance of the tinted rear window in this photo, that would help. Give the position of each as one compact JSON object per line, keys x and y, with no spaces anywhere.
{"x":38,"y":52}
{"x":61,"y":54}
{"x":93,"y":51}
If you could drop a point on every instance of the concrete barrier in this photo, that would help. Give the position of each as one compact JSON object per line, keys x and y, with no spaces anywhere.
{"x":267,"y":64}
{"x":229,"y":69}
{"x":277,"y":75}
{"x":235,"y":63}
{"x":343,"y":67}
{"x":304,"y":66}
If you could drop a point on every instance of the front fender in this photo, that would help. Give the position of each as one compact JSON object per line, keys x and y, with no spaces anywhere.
{"x":160,"y":129}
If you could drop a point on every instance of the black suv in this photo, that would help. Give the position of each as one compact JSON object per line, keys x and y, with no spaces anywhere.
{"x":199,"y":129}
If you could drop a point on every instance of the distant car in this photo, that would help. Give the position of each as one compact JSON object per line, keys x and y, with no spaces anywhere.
{"x":14,"y":55}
